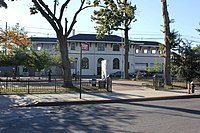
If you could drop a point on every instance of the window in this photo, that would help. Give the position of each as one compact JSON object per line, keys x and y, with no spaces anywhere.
{"x":115,"y":47}
{"x":115,"y":63}
{"x":99,"y":62}
{"x":145,"y":51}
{"x":153,"y":51}
{"x":137,"y":51}
{"x":101,"y":47}
{"x":85,"y":63}
{"x":73,"y":46}
{"x":39,"y":48}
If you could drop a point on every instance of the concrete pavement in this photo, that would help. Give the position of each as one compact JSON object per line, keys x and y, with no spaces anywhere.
{"x":123,"y":91}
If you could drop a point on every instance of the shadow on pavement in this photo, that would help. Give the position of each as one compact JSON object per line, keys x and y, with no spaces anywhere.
{"x":68,"y":119}
{"x":190,"y":111}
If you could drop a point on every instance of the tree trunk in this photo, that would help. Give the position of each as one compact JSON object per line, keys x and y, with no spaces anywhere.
{"x":67,"y":79}
{"x":126,"y":41}
{"x":166,"y":43}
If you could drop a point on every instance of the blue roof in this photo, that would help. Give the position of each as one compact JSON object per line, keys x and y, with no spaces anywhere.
{"x":43,"y":39}
{"x":146,"y":42}
{"x":92,"y":37}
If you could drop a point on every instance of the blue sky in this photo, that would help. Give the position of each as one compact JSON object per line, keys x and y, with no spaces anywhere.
{"x":186,"y":14}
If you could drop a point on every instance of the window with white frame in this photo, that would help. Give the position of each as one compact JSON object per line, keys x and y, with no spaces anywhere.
{"x":73,"y":46}
{"x":115,"y":47}
{"x":85,"y":63}
{"x":145,"y":51}
{"x":101,"y":47}
{"x":48,"y":46}
{"x":39,"y":47}
{"x":116,"y":63}
{"x":153,"y":51}
{"x":137,"y":51}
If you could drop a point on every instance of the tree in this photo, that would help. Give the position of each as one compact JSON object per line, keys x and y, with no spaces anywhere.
{"x":12,"y":38}
{"x":175,"y":41}
{"x":39,"y":60}
{"x":154,"y":69}
{"x":115,"y":15}
{"x":165,"y":14}
{"x":18,"y":57}
{"x":186,"y":61}
{"x":3,"y":3}
{"x":62,"y":32}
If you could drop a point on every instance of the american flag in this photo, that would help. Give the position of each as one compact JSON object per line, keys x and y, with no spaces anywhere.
{"x":84,"y":46}
{"x":122,"y":46}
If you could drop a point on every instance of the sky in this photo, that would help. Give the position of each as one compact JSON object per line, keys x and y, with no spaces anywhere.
{"x":148,"y":26}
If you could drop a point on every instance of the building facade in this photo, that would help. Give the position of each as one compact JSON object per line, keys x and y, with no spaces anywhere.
{"x":142,"y":54}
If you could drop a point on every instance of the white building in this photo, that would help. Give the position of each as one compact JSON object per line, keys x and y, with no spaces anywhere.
{"x":142,"y":54}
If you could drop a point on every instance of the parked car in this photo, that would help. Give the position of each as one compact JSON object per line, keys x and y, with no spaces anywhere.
{"x":117,"y":74}
{"x":120,"y":74}
{"x":142,"y":72}
{"x":132,"y":74}
{"x":158,"y":75}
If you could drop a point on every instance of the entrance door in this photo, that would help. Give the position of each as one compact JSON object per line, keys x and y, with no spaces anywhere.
{"x":99,"y":66}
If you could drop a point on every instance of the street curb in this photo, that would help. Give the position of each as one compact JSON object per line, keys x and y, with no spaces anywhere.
{"x":43,"y":104}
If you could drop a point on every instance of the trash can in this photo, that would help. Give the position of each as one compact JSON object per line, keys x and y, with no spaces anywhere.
{"x":102,"y":84}
{"x":109,"y":84}
{"x":155,"y":82}
{"x":94,"y":82}
{"x":161,"y":82}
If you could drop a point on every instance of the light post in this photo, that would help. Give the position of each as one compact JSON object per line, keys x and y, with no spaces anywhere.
{"x":76,"y":68}
{"x":14,"y":73}
{"x":83,"y":46}
{"x":80,"y":75}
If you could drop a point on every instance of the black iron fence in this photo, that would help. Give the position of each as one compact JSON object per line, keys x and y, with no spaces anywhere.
{"x":8,"y":86}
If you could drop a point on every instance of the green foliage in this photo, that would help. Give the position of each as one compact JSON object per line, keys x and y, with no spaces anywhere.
{"x":186,"y":62}
{"x":139,"y":76}
{"x":175,"y":40}
{"x":56,"y":60}
{"x":39,"y":60}
{"x":6,"y":60}
{"x":156,"y":68}
{"x":112,"y":16}
{"x":18,"y":57}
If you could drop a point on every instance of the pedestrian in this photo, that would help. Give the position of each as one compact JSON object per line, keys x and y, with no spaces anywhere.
{"x":49,"y":75}
{"x":188,"y":86}
{"x":192,"y":86}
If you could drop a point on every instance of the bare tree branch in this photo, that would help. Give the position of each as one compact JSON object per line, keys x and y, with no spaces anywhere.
{"x":62,"y":9}
{"x":76,"y":14}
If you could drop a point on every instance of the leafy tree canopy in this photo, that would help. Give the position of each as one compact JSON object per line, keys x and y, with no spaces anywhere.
{"x":113,"y":16}
{"x":13,"y":37}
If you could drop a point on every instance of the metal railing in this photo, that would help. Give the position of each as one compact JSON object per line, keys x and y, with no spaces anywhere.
{"x":8,"y":86}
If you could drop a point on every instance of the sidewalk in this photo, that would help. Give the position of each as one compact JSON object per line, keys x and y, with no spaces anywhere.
{"x":122,"y":92}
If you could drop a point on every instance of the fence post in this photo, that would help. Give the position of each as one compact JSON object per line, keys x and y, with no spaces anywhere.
{"x":28,"y":86}
{"x":6,"y":83}
{"x":55,"y":84}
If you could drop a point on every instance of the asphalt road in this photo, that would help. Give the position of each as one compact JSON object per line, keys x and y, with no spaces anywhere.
{"x":166,"y":116}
